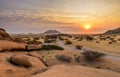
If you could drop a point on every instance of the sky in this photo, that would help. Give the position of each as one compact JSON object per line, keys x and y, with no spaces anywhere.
{"x":67,"y":16}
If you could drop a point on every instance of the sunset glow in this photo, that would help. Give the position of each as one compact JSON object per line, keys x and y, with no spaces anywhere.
{"x":87,"y":26}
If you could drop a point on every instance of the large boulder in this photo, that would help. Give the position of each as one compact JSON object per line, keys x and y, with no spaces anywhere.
{"x":20,"y":61}
{"x":4,"y":35}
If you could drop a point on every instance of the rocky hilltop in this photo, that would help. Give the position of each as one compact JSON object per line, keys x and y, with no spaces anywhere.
{"x":4,"y":35}
{"x":52,"y":32}
{"x":114,"y":31}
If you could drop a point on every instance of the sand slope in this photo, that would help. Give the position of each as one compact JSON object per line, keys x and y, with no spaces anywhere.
{"x":76,"y":71}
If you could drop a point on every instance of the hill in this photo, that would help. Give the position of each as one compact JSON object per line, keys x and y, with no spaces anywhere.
{"x":52,"y":32}
{"x":114,"y":31}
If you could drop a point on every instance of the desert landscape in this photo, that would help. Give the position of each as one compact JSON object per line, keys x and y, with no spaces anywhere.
{"x":58,"y":54}
{"x":59,"y":38}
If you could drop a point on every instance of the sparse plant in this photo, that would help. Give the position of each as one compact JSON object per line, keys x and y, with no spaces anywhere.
{"x":79,"y":47}
{"x":118,"y":39}
{"x":89,"y":38}
{"x":76,"y":38}
{"x":18,"y":40}
{"x":64,"y":58}
{"x":92,"y":55}
{"x":109,"y":42}
{"x":61,"y":39}
{"x":51,"y":47}
{"x":97,"y":42}
{"x":77,"y":59}
{"x":68,"y":42}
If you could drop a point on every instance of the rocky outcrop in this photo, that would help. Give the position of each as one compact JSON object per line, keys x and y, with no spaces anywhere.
{"x":115,"y":31}
{"x":4,"y":35}
{"x":8,"y":69}
{"x":20,"y":61}
{"x":9,"y":45}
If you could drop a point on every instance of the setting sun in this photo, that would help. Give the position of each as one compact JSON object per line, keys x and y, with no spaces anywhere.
{"x":87,"y":26}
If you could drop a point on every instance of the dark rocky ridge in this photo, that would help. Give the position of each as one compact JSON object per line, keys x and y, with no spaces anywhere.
{"x":52,"y":32}
{"x":4,"y":35}
{"x":114,"y":31}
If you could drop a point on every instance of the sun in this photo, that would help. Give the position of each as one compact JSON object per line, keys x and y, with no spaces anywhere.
{"x":87,"y":26}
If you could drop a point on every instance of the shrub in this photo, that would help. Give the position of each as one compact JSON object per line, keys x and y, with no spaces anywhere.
{"x":20,"y":61}
{"x":92,"y":55}
{"x":109,"y":42}
{"x":51,"y":47}
{"x":64,"y":58}
{"x":77,"y":59}
{"x":79,"y":47}
{"x":68,"y":42}
{"x":118,"y":39}
{"x":18,"y":40}
{"x":89,"y":38}
{"x":97,"y":42}
{"x":48,"y":41}
{"x":61,"y":39}
{"x":76,"y":38}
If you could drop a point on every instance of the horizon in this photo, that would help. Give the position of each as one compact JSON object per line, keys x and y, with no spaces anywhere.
{"x":60,"y":32}
{"x":67,"y":16}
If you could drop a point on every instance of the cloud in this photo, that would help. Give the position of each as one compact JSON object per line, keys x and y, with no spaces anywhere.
{"x":32,"y":17}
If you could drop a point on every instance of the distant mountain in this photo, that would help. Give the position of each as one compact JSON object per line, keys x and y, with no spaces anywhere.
{"x":52,"y":32}
{"x":114,"y":31}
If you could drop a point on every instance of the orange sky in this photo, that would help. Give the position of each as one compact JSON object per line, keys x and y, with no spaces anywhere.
{"x":68,"y":16}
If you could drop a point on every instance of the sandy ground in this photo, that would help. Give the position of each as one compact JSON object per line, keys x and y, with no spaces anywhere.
{"x":76,"y":71}
{"x":67,"y":69}
{"x":102,"y":46}
{"x":103,"y":63}
{"x":100,"y":68}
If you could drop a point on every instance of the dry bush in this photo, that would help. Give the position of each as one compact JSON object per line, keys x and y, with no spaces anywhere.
{"x":68,"y":42}
{"x":20,"y":61}
{"x":18,"y":40}
{"x":92,"y":55}
{"x":109,"y":42}
{"x":97,"y":42}
{"x":79,"y":47}
{"x":77,"y":59}
{"x":51,"y":47}
{"x":64,"y":58}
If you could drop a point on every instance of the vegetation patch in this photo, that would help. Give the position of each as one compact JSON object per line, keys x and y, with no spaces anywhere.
{"x":64,"y":58}
{"x":79,"y":47}
{"x":51,"y":47}
{"x":68,"y":42}
{"x":92,"y":55}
